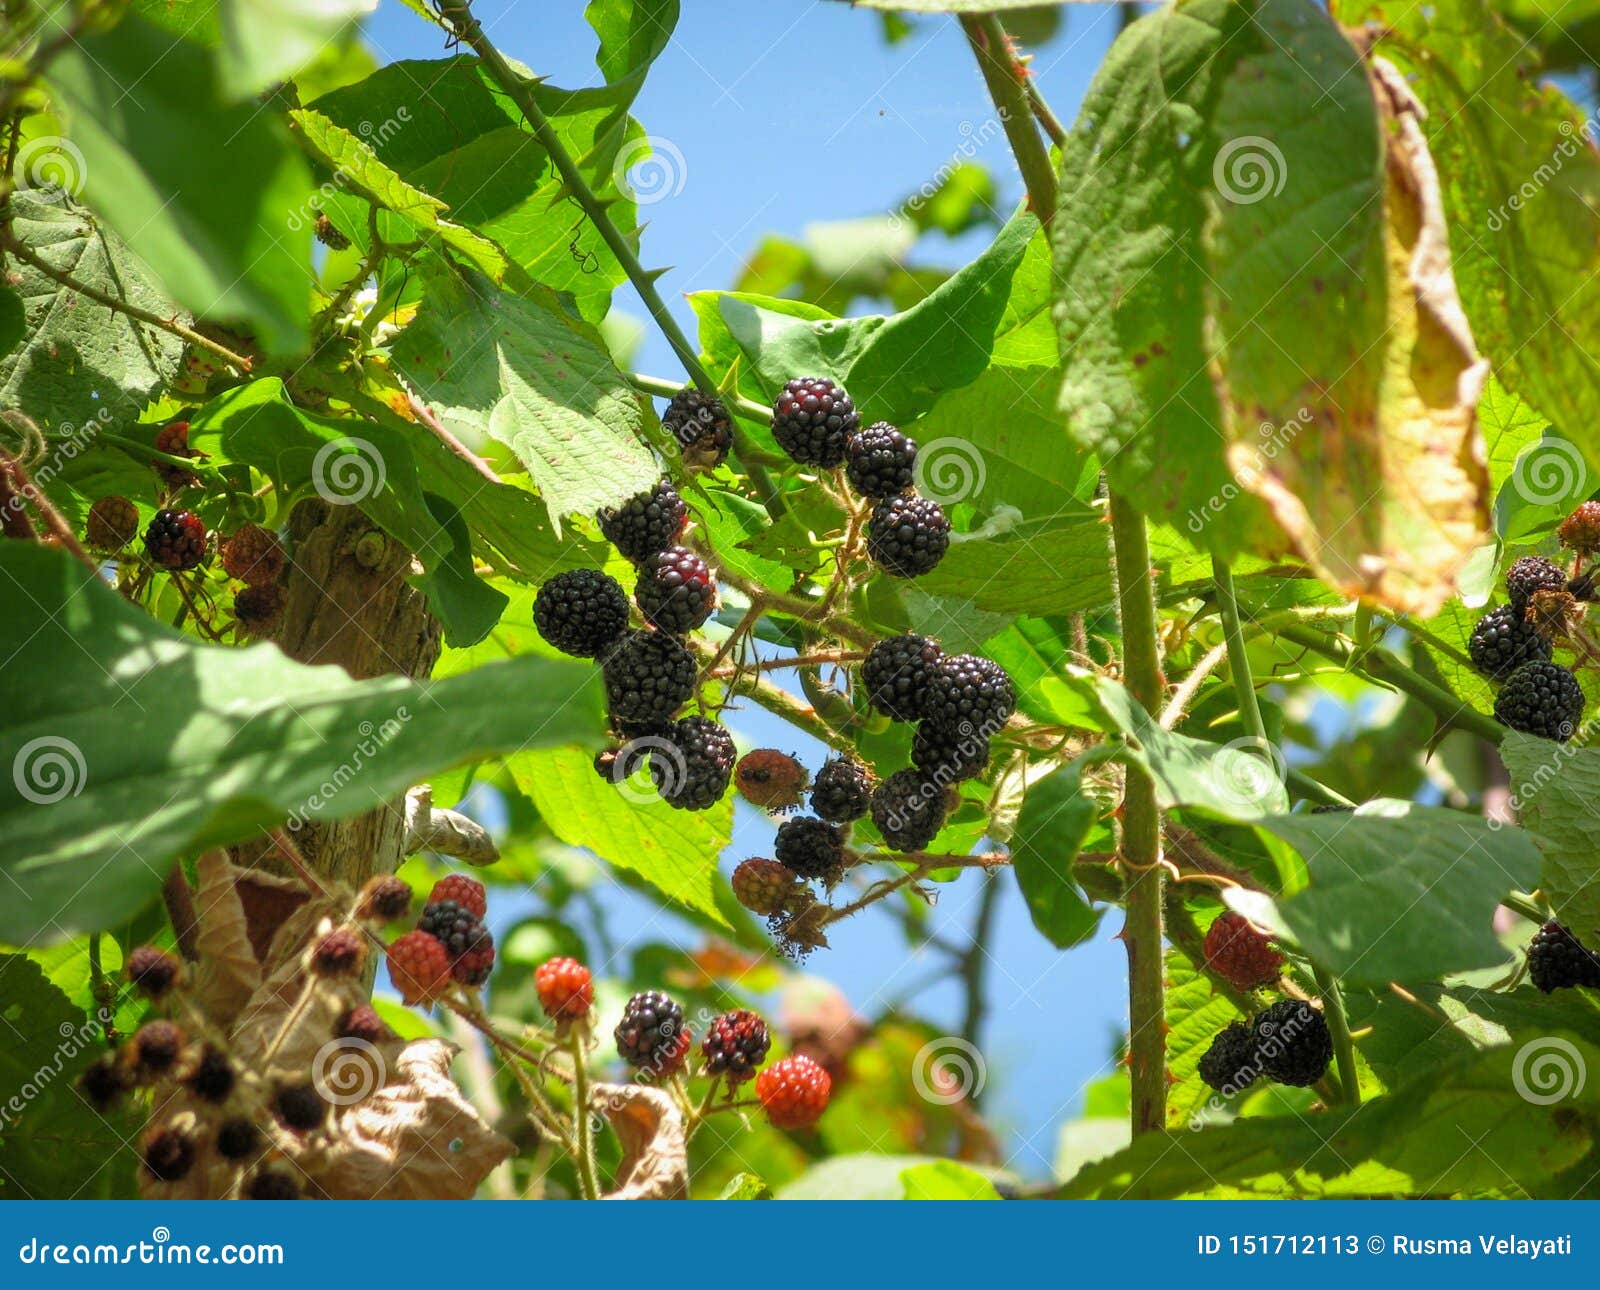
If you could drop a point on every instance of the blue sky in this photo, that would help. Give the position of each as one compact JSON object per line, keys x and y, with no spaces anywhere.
{"x":785,"y":113}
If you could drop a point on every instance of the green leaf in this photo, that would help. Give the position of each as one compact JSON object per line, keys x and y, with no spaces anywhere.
{"x":946,"y":1180}
{"x":520,"y":370}
{"x":632,"y":35}
{"x":53,"y":1144}
{"x":357,"y":164}
{"x":1041,"y":567}
{"x":13,"y":320}
{"x":1401,"y":892}
{"x":863,"y":1176}
{"x":1054,"y":821}
{"x":267,"y":41}
{"x":94,"y":818}
{"x":746,"y":1186}
{"x":82,"y":361}
{"x":675,"y":851}
{"x":1554,"y":789}
{"x":1196,"y":1013}
{"x":207,"y":191}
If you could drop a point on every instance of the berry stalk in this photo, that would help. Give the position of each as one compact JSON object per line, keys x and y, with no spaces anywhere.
{"x":1141,"y":829}
{"x":1005,"y":79}
{"x":582,"y":1123}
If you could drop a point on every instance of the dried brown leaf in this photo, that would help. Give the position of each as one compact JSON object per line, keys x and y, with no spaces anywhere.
{"x":655,"y":1148}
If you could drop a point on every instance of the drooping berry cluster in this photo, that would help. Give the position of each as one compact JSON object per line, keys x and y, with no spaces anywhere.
{"x":1557,"y":960}
{"x":450,"y":943}
{"x":1287,"y":1043}
{"x":1512,"y":643}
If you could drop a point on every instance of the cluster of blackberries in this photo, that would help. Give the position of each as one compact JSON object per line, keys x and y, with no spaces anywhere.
{"x":817,"y":424}
{"x":1557,"y":960}
{"x":649,"y":673}
{"x":449,"y":943}
{"x":229,"y":1106}
{"x":960,"y":701}
{"x":654,"y":1038}
{"x":1287,"y":1043}
{"x":1511,"y":644}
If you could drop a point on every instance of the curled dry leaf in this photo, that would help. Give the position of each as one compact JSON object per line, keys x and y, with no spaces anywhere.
{"x":655,"y":1149}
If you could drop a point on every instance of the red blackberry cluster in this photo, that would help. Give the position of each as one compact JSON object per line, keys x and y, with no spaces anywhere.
{"x":675,"y":591}
{"x":466,"y":940}
{"x":175,"y":540}
{"x":464,"y":890}
{"x":449,"y":943}
{"x":1580,"y":531}
{"x":701,"y":425}
{"x":647,"y":523}
{"x":581,"y":612}
{"x":735,"y":1044}
{"x":652,"y":1033}
{"x":111,"y":524}
{"x":813,"y":421}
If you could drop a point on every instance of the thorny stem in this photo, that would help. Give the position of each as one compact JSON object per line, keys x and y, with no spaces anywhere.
{"x":1007,"y":87}
{"x":1141,"y":829}
{"x":736,"y":403}
{"x":1344,"y":1052}
{"x":588,"y":1180}
{"x":58,"y":526}
{"x":818,"y":659}
{"x":14,"y":246}
{"x":781,"y":703}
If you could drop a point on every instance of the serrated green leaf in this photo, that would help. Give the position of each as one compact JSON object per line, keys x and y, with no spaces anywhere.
{"x":13,"y":320}
{"x":1554,"y":789}
{"x":94,"y":818}
{"x":1196,"y":1013}
{"x":675,"y":851}
{"x":211,"y":216}
{"x":1055,"y":819}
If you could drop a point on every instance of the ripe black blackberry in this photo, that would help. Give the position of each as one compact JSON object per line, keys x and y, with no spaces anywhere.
{"x":454,"y":926}
{"x":648,"y":677}
{"x":1501,"y":642}
{"x":813,"y":420}
{"x":153,"y":971}
{"x":842,"y":791}
{"x":735,"y":1044}
{"x":1530,"y":574}
{"x":898,"y":675}
{"x":272,"y":1184}
{"x":948,"y":755}
{"x":907,"y":535}
{"x":1230,"y":1065}
{"x":810,"y":847}
{"x":175,"y":540}
{"x":1557,"y":960}
{"x":237,"y":1138}
{"x":675,"y":591}
{"x":1541,"y":699}
{"x":300,"y":1107}
{"x":701,"y":425}
{"x":651,"y":1029}
{"x":103,"y":1083}
{"x":881,"y":461}
{"x":646,"y":523}
{"x":213,"y":1077}
{"x":1292,"y":1043}
{"x":970,"y":695}
{"x":168,"y":1154}
{"x":909,"y":810}
{"x":692,"y":765}
{"x":582,"y":612}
